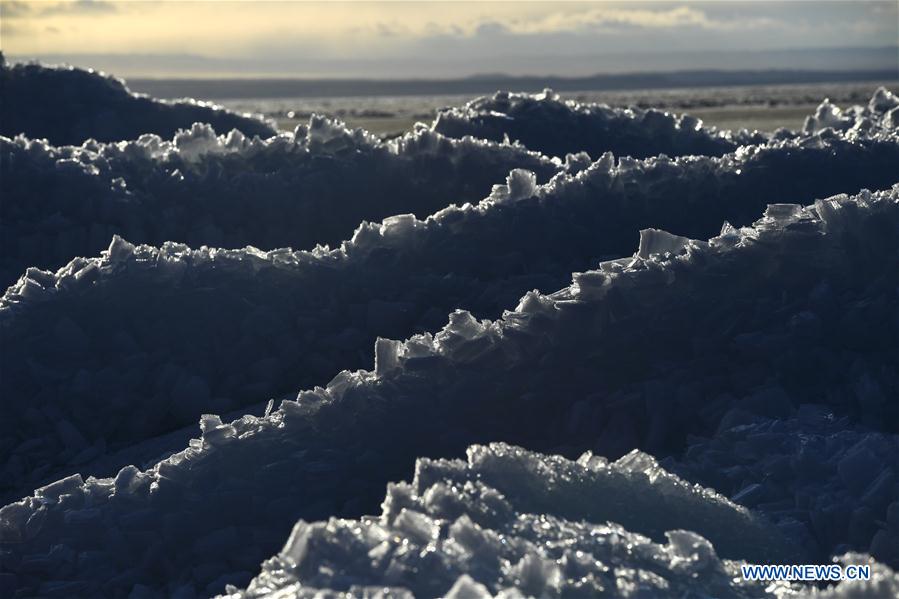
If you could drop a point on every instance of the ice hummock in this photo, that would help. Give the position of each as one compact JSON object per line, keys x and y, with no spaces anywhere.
{"x":547,"y":123}
{"x":250,"y":325}
{"x":502,"y":525}
{"x":190,"y":516}
{"x":557,"y":127}
{"x":311,"y":187}
{"x":524,"y":524}
{"x":68,"y":105}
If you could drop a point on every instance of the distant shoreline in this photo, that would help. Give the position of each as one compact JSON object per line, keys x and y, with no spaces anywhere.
{"x":310,"y":88}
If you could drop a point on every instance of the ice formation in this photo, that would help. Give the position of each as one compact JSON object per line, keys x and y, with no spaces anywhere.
{"x":881,"y":113}
{"x":548,"y":124}
{"x":253,"y":325}
{"x":512,"y":524}
{"x":770,"y":313}
{"x":313,"y":186}
{"x":68,"y":105}
{"x":527,"y":525}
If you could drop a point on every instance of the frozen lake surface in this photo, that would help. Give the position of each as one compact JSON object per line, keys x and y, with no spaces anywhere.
{"x":765,"y":107}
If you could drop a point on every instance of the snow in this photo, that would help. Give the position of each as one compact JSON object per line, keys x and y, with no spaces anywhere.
{"x":67,"y":105}
{"x":316,"y":457}
{"x":221,"y":329}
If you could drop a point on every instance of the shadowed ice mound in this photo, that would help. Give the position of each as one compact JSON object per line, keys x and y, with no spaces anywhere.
{"x":313,"y":186}
{"x":830,"y":483}
{"x":548,"y":124}
{"x":66,"y":105}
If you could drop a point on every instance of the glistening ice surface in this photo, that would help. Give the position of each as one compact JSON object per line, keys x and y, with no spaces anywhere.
{"x":508,"y":523}
{"x":727,"y":341}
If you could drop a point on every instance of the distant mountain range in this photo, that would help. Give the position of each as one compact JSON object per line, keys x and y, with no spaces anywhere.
{"x":479,"y":84}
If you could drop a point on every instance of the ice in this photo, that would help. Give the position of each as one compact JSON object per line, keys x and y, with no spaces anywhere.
{"x":827,"y":115}
{"x":67,"y":105}
{"x":330,"y":453}
{"x":822,"y":481}
{"x":230,"y":191}
{"x":548,"y":124}
{"x":520,"y":185}
{"x":653,"y":241}
{"x":52,"y":492}
{"x":525,"y":550}
{"x":466,"y":587}
{"x":219,"y":329}
{"x":884,"y":582}
{"x":879,"y":115}
{"x":882,"y":101}
{"x":687,"y":404}
{"x":433,"y":539}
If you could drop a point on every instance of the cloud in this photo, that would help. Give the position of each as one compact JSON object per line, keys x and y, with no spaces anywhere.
{"x":491,"y":28}
{"x":583,"y":20}
{"x":527,"y":37}
{"x":391,"y":29}
{"x":13,"y":30}
{"x":81,"y":6}
{"x":611,"y":18}
{"x":607,"y":16}
{"x":14,"y":9}
{"x":17,"y":9}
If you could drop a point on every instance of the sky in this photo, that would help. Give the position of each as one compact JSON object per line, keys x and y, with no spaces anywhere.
{"x":445,"y":39}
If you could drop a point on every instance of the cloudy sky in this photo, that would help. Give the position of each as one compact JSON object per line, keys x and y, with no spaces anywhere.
{"x":446,"y":39}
